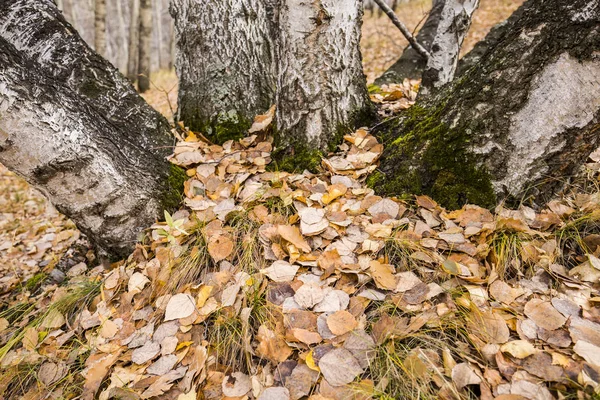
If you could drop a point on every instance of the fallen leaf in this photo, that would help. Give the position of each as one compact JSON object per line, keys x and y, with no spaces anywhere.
{"x":281,"y":271}
{"x":383,"y":275}
{"x":181,"y":305}
{"x":145,"y":353}
{"x":544,"y":314}
{"x":463,"y":374}
{"x":220,"y":247}
{"x":339,"y":367}
{"x":275,"y":393}
{"x":518,"y":348}
{"x":237,"y":384}
{"x":292,"y":234}
{"x":262,"y":121}
{"x":341,"y":322}
{"x":588,"y":352}
{"x":309,"y":295}
{"x":137,"y":282}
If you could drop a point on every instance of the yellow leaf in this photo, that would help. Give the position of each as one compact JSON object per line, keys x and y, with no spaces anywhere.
{"x":310,"y":362}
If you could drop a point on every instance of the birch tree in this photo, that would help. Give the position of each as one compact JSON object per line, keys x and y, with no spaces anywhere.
{"x":225,"y":63}
{"x":144,"y":46}
{"x":100,"y":27}
{"x":321,"y":87}
{"x":133,"y":40}
{"x":74,"y":128}
{"x":517,"y":121}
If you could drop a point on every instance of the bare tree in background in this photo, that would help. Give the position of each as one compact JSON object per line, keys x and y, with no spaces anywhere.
{"x":123,"y":49}
{"x":100,"y":27}
{"x":145,"y":37}
{"x":133,"y":40}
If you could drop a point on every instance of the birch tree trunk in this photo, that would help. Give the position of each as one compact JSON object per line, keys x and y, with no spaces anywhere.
{"x":157,"y":15}
{"x":133,"y":40}
{"x":122,"y":52}
{"x":100,"y":27}
{"x":224,"y":61}
{"x":411,"y":64}
{"x":75,"y":128}
{"x":454,"y":23}
{"x":144,"y":46}
{"x":515,"y":124}
{"x":321,"y":87}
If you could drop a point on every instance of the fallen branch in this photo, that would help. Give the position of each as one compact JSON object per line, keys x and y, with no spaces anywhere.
{"x":400,"y":25}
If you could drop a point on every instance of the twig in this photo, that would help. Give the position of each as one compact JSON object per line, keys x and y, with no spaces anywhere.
{"x":411,"y":39}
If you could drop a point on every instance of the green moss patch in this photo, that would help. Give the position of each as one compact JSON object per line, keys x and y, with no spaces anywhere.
{"x":431,"y":158}
{"x":171,"y":199}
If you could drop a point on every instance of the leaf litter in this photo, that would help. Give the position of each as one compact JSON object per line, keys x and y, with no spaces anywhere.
{"x":270,"y":284}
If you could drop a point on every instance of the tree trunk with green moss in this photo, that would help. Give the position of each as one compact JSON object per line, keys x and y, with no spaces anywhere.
{"x":517,"y":121}
{"x":225,"y":64}
{"x":75,"y":128}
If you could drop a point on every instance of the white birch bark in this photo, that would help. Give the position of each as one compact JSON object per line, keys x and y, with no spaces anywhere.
{"x":517,"y":122}
{"x":224,"y":61}
{"x":452,"y":28}
{"x":321,"y":87}
{"x":100,"y":27}
{"x":74,"y":128}
{"x":122,"y":51}
{"x":133,"y":40}
{"x":144,"y":46}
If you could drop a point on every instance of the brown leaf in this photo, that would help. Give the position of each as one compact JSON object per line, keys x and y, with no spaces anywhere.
{"x":292,"y":234}
{"x":220,"y":247}
{"x":489,"y":326}
{"x":544,"y":314}
{"x":519,"y":348}
{"x":341,"y":322}
{"x":97,"y":366}
{"x":339,"y":367}
{"x":271,"y":345}
{"x":463,"y":374}
{"x":383,"y":275}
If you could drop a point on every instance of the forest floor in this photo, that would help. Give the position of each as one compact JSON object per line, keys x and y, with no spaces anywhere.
{"x":266,"y":282}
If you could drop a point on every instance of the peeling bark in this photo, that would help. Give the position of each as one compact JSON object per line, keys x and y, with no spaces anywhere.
{"x":321,"y":87}
{"x":516,"y":123}
{"x":75,"y":128}
{"x":224,"y":63}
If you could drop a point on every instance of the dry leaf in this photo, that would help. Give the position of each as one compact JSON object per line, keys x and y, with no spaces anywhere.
{"x":339,"y":367}
{"x":518,"y":348}
{"x":463,"y":374}
{"x":275,"y":393}
{"x":544,"y":314}
{"x":236,"y":384}
{"x":292,"y":235}
{"x":220,"y":247}
{"x":383,"y":275}
{"x":181,"y":305}
{"x":262,"y":121}
{"x":281,"y":271}
{"x":145,"y":353}
{"x":341,"y":322}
